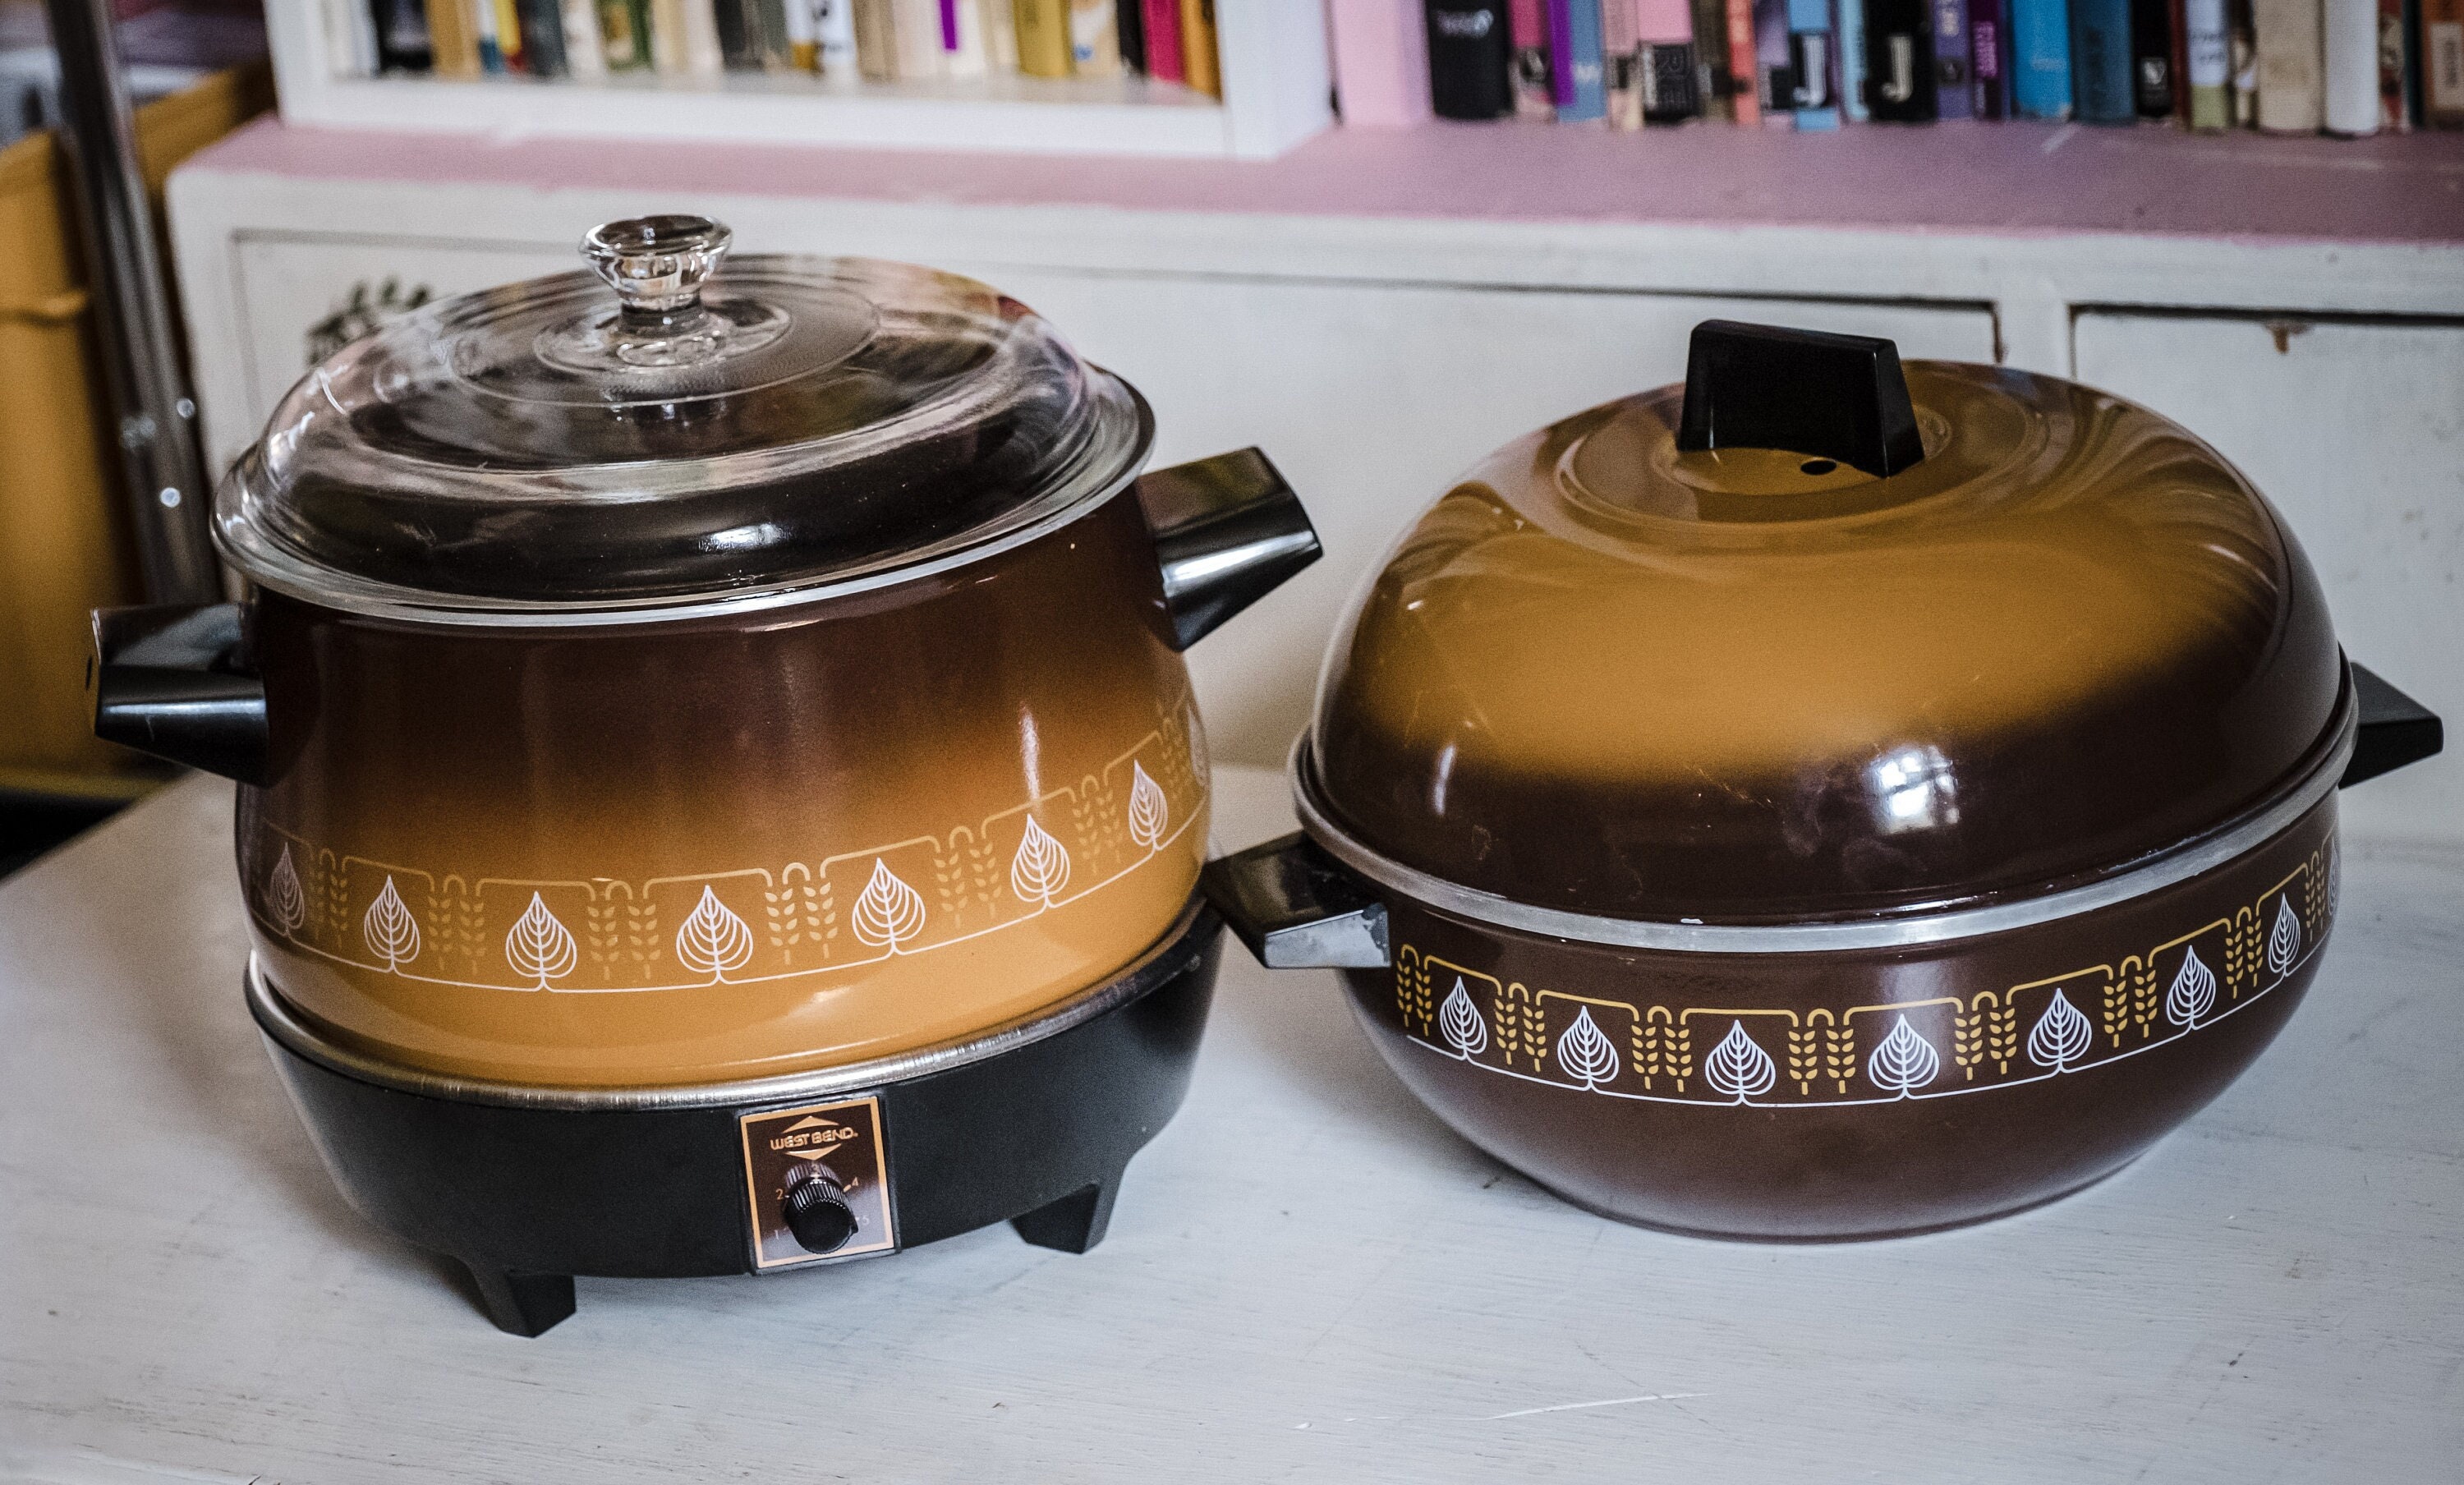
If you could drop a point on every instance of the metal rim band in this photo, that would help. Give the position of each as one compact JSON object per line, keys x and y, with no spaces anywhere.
{"x":1150,"y":970}
{"x":1914,"y":930}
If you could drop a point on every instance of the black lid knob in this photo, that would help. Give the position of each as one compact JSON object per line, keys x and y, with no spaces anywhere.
{"x":1763,"y":387}
{"x":818,"y":1214}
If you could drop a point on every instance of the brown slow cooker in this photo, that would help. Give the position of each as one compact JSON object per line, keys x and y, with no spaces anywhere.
{"x":1820,"y":801}
{"x":698,"y":689}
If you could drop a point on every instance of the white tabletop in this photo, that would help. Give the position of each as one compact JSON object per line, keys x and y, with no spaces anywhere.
{"x":1307,"y":1277}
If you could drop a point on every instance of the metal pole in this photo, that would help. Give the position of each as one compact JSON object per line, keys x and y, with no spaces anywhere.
{"x":157,"y":419}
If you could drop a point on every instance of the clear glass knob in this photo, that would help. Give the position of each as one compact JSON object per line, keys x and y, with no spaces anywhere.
{"x":656,"y":265}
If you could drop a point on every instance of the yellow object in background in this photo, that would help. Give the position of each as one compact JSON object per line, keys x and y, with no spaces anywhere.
{"x":64,"y":546}
{"x":1043,"y":37}
{"x":1198,"y":58}
{"x":453,"y":38}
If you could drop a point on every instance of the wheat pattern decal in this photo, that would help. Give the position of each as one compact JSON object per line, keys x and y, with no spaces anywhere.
{"x":538,"y":947}
{"x":1739,"y":1067}
{"x":2193,"y":991}
{"x":889,"y":912}
{"x":2284,"y":940}
{"x":1462,"y":1023}
{"x":284,"y":902}
{"x":2062,"y":1036}
{"x":713,"y":940}
{"x":1040,"y":868}
{"x":1903,"y":1062}
{"x":1586,"y":1052}
{"x":1150,"y":812}
{"x":389,"y":931}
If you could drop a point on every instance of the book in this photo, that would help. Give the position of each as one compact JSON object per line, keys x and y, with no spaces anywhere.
{"x":2397,"y":88}
{"x":1043,"y":37}
{"x":2207,"y":56}
{"x":2241,"y":50}
{"x":1535,"y":92}
{"x":1129,"y":23}
{"x":1470,"y":59}
{"x":1574,"y":62}
{"x":500,"y":33}
{"x":1162,"y":23}
{"x":1200,"y":64}
{"x":1953,"y":77}
{"x":1621,"y":64}
{"x":2100,"y":91}
{"x":2040,"y":59}
{"x":966,"y":51}
{"x":1986,"y":35}
{"x":1774,"y":64}
{"x":625,"y":34}
{"x":2441,"y":33}
{"x":2348,"y":56}
{"x":1095,"y":39}
{"x":1710,"y":28}
{"x":584,"y":57}
{"x":1664,"y":60}
{"x":397,"y":35}
{"x":701,"y":40}
{"x":350,"y":39}
{"x":1849,"y":16}
{"x":542,"y":26}
{"x":1745,"y":70}
{"x":739,"y":33}
{"x":2151,"y":58}
{"x":1810,"y":45}
{"x":803,"y":40}
{"x":999,"y":18}
{"x":916,"y":31}
{"x":452,"y":40}
{"x":1899,"y":61}
{"x":876,"y":38}
{"x":2289,"y":36}
{"x":666,"y":36}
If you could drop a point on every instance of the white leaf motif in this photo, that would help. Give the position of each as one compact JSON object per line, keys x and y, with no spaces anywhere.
{"x":1466,"y":1028}
{"x":1739,"y":1067}
{"x":713,"y":940}
{"x":2193,"y":991}
{"x":389,"y":931}
{"x":1149,"y":812}
{"x":537,"y":946}
{"x":283,"y":900}
{"x":1904,"y":1061}
{"x":1586,"y":1052}
{"x":2284,"y":940}
{"x":889,"y":912}
{"x":1040,"y":868}
{"x":2062,"y":1035}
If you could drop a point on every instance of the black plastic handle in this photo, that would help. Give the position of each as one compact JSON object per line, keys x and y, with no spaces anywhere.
{"x":2395,"y":730}
{"x":174,"y":681}
{"x":1298,"y":908}
{"x":1227,"y":532}
{"x":1808,"y":391}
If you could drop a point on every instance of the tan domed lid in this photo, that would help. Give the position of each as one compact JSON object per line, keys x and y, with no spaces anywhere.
{"x":1794,"y":643}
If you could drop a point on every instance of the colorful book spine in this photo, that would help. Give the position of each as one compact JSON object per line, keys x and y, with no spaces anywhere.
{"x":1162,"y":24}
{"x":1774,"y":69}
{"x":1095,"y":39}
{"x":1471,"y":54}
{"x":1664,"y":57}
{"x":1745,"y":67}
{"x":1987,"y":34}
{"x":1853,"y":57}
{"x":2041,"y":59}
{"x":1953,"y":73}
{"x":1711,"y":31}
{"x":1200,"y":62}
{"x":1129,"y":23}
{"x":966,"y":51}
{"x":1620,"y":60}
{"x":1899,"y":61}
{"x":1810,"y":45}
{"x":1575,"y":60}
{"x":1535,"y":92}
{"x":506,"y":21}
{"x":2151,"y":58}
{"x":2396,"y":64}
{"x":1043,"y":37}
{"x":542,"y":26}
{"x":804,"y":40}
{"x":2348,"y":55}
{"x":2206,"y":57}
{"x":2289,"y":34}
{"x":452,"y":40}
{"x":2100,"y":61}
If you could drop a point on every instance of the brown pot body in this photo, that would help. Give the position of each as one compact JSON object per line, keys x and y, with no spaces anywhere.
{"x":716,"y":848}
{"x":1836,"y":1124}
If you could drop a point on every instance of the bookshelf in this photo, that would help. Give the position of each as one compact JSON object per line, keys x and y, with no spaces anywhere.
{"x":1277,"y":91}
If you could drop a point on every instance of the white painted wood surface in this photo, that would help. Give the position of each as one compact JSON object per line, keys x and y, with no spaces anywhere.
{"x":1308,"y":1279}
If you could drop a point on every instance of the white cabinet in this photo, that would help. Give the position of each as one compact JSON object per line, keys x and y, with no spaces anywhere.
{"x":2355,"y":430}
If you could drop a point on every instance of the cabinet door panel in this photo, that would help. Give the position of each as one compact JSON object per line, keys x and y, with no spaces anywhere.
{"x":2356,"y":432}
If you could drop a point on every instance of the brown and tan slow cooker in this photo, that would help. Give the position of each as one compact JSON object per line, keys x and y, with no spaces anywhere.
{"x":750,"y":696}
{"x":1814,"y":801}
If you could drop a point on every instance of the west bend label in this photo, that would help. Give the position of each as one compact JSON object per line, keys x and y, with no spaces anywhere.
{"x":837,"y":1143}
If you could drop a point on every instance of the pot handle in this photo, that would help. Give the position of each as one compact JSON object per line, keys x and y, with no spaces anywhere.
{"x":1298,"y":908}
{"x":1808,"y":391}
{"x":1227,"y":532}
{"x":2395,"y":730}
{"x":174,"y":681}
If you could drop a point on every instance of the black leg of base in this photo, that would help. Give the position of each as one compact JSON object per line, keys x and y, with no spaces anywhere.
{"x":523,"y":1304}
{"x":1073,"y":1224}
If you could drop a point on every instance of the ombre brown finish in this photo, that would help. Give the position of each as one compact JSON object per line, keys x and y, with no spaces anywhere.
{"x":1746,"y":686}
{"x":849,"y":782}
{"x":1853,"y":1093}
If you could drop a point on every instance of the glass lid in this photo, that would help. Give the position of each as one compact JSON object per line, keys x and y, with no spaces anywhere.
{"x":662,"y":431}
{"x":1804,"y":660}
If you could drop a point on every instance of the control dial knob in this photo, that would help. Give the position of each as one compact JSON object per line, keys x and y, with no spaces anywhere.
{"x":817,"y":1210}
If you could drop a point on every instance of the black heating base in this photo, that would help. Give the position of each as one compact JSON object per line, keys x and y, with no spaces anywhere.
{"x":1033,"y":1125}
